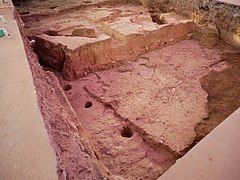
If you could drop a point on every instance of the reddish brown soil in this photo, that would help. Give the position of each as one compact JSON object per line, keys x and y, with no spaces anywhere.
{"x":223,"y":88}
{"x":74,"y":153}
{"x":121,"y":33}
{"x":135,"y":120}
{"x":159,"y":86}
{"x":120,"y":146}
{"x":172,"y":90}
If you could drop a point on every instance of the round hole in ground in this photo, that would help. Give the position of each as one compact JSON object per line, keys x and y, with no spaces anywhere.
{"x":67,"y":87}
{"x":17,"y":4}
{"x":88,"y":104}
{"x":126,"y":132}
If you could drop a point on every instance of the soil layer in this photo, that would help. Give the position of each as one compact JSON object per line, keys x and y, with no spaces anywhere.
{"x":136,"y":98}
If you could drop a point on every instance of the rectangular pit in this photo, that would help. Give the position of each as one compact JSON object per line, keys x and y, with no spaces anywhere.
{"x":134,"y":95}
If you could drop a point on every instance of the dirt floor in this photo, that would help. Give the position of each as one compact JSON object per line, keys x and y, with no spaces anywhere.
{"x":223,"y":88}
{"x":142,"y":93}
{"x":125,"y":114}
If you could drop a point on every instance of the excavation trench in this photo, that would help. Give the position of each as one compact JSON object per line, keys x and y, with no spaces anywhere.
{"x":125,"y":93}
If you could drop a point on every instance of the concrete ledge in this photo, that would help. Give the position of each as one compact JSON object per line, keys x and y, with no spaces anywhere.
{"x":216,"y":157}
{"x":25,"y":151}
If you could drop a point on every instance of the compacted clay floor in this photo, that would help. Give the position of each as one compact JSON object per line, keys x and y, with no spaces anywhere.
{"x":147,"y":110}
{"x":143,"y":114}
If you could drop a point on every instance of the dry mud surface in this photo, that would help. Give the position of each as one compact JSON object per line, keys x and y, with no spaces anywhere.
{"x":134,"y":118}
{"x":158,"y":99}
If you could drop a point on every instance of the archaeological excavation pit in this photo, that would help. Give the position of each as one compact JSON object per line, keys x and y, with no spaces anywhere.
{"x":126,"y":88}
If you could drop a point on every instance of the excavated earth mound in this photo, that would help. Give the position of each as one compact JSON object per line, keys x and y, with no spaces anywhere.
{"x":124,"y":93}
